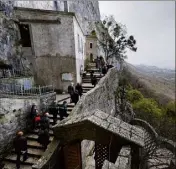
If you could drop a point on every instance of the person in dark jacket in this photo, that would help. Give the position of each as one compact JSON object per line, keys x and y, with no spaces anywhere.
{"x":104,"y":70}
{"x":71,"y":88}
{"x":37,"y":121}
{"x":63,"y":110}
{"x":54,"y":111}
{"x":94,"y":81}
{"x":20,"y":145}
{"x":45,"y":122}
{"x":43,"y":138}
{"x":34,"y":112}
{"x":75,"y":97}
{"x":79,"y":89}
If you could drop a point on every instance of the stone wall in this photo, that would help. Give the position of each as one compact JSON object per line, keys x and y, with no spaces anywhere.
{"x":8,"y":36}
{"x":87,"y":13}
{"x":50,"y":69}
{"x":101,"y":97}
{"x":14,"y":119}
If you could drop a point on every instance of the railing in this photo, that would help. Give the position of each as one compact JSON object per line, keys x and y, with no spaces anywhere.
{"x":12,"y":73}
{"x":15,"y":89}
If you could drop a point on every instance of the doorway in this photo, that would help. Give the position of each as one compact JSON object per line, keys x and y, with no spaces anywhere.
{"x":72,"y":156}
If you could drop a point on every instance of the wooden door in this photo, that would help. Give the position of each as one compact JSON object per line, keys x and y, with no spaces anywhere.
{"x":72,"y":156}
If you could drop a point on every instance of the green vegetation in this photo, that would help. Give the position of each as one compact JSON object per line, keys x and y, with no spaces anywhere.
{"x":134,"y":95}
{"x":171,"y":110}
{"x":162,"y":118}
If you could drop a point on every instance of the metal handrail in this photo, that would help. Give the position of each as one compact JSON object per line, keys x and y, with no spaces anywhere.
{"x":16,"y":89}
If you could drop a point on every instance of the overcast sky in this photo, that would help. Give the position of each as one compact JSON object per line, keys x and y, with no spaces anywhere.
{"x":153,"y":25}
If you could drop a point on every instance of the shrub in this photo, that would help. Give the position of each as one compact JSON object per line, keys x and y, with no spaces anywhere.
{"x":147,"y":109}
{"x":171,"y":110}
{"x":134,"y":95}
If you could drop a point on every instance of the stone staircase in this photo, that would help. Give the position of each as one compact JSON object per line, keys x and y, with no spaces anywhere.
{"x":35,"y":150}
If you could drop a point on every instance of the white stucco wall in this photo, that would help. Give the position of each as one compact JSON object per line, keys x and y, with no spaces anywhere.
{"x":79,"y":48}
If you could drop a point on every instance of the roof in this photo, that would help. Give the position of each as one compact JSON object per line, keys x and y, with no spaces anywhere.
{"x":97,"y":126}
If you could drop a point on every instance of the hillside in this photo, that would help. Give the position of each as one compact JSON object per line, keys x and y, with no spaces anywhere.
{"x":164,"y":74}
{"x":153,"y":82}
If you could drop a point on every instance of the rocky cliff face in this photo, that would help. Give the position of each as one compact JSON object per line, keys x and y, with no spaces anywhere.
{"x":8,"y":35}
{"x":86,"y":11}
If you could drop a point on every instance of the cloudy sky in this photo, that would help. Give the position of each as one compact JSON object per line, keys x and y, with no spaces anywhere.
{"x":153,"y":25}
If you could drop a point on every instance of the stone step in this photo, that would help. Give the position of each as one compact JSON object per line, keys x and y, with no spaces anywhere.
{"x":87,"y":86}
{"x":34,"y":144}
{"x":35,"y":137}
{"x":29,"y":161}
{"x":88,"y":77}
{"x":10,"y":165}
{"x":69,"y":105}
{"x":36,"y":132}
{"x":87,"y":89}
{"x":33,"y":152}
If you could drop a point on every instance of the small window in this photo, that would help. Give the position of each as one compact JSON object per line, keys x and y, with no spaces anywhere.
{"x":91,"y":45}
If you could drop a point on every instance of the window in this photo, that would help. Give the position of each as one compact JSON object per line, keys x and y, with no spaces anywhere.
{"x":91,"y":45}
{"x":65,"y":6}
{"x":25,"y":35}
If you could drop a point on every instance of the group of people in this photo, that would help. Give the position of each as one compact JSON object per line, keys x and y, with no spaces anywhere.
{"x":57,"y":109}
{"x":40,"y":122}
{"x":100,"y":64}
{"x":75,"y":92}
{"x":20,"y":142}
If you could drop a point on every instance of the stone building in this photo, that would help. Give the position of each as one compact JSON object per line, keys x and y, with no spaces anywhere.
{"x":53,"y":44}
{"x":53,"y":47}
{"x":91,"y":47}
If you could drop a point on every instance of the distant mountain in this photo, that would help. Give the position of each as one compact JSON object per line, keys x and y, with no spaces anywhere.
{"x":153,"y":81}
{"x":165,"y":74}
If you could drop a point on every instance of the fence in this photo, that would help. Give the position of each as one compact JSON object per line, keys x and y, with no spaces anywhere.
{"x":14,"y":89}
{"x":12,"y":73}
